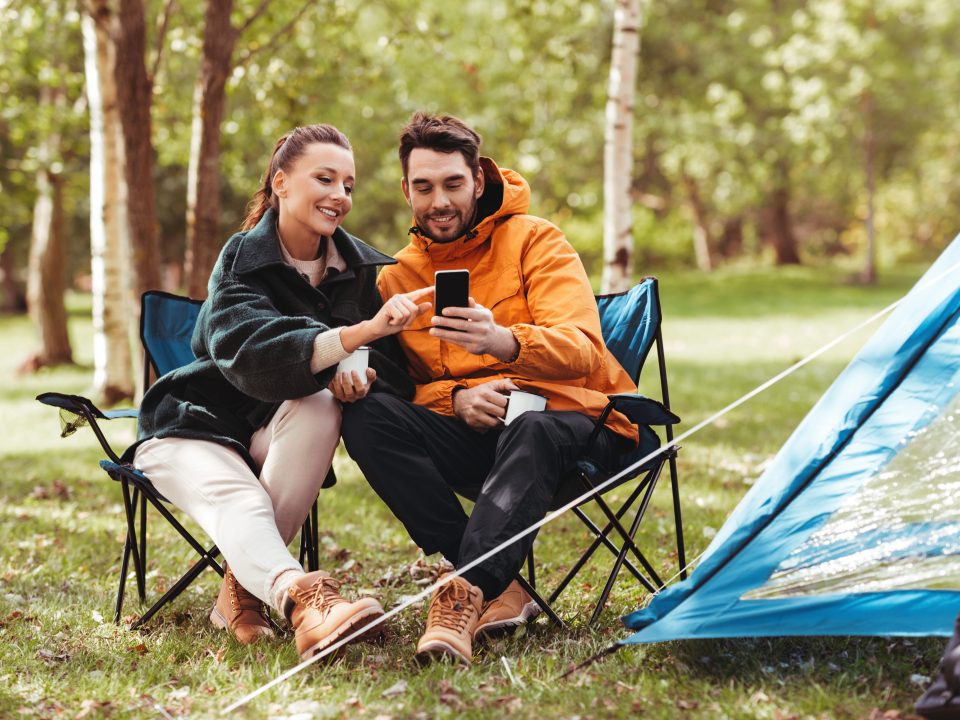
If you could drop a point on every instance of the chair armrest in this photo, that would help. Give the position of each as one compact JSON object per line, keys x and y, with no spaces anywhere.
{"x":77,"y":404}
{"x":77,"y":411}
{"x":643,"y":410}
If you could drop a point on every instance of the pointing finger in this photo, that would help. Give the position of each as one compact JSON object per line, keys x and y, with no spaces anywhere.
{"x":417,"y":294}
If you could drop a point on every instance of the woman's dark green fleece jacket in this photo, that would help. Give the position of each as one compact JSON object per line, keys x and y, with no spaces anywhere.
{"x":254,"y":341}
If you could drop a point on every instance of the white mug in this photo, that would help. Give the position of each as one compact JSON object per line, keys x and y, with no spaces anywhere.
{"x":520,"y":402}
{"x":357,"y":361}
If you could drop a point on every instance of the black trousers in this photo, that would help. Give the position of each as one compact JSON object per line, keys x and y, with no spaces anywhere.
{"x":417,"y":461}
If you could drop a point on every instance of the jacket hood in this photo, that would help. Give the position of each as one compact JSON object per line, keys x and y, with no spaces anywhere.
{"x":260,"y":246}
{"x":505,"y":193}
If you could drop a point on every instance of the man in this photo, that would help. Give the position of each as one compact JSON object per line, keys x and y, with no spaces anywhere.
{"x":531,"y":324}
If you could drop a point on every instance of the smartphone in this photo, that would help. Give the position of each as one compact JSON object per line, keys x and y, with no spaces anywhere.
{"x":451,"y":289}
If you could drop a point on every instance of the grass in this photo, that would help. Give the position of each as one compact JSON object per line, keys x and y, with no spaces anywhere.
{"x":60,"y":656}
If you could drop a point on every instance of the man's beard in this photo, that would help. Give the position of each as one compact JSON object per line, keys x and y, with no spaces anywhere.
{"x":448,"y":237}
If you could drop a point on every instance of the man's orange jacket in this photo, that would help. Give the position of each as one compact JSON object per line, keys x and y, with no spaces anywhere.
{"x":524,"y":271}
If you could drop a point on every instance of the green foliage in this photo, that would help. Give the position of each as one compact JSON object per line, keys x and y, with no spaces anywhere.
{"x":735,"y":99}
{"x":41,"y":50}
{"x":63,"y":525}
{"x":745,"y":97}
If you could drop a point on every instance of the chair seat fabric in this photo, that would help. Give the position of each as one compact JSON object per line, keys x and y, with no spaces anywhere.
{"x":572,"y":488}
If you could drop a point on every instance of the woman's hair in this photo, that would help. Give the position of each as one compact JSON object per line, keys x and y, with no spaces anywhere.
{"x":289,"y":147}
{"x":446,"y":134}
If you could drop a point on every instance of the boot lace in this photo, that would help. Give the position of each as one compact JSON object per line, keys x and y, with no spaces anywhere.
{"x":322,"y":595}
{"x":451,"y":607}
{"x":242,"y":600}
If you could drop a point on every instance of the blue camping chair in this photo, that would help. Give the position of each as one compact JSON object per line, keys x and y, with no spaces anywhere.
{"x":166,"y":327}
{"x":630,"y":322}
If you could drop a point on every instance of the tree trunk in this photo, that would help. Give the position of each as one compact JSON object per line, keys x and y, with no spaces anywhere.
{"x":618,"y":149}
{"x":134,"y":100}
{"x":781,"y":227}
{"x":113,"y":370}
{"x":13,"y":299}
{"x":203,"y":179}
{"x":869,"y":273}
{"x":46,"y":280}
{"x":701,"y":225}
{"x":731,"y":239}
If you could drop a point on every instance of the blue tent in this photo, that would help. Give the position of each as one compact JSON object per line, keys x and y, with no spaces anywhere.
{"x":854,"y":528}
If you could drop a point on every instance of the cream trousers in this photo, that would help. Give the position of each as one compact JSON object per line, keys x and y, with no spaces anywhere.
{"x":251,"y":519}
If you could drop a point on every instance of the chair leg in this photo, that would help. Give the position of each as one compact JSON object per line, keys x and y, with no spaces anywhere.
{"x":314,"y":539}
{"x":544,"y":605}
{"x":600,"y":537}
{"x":531,"y":573}
{"x":304,"y":542}
{"x":125,"y":558}
{"x":627,"y":539}
{"x":129,"y":506}
{"x":678,"y":521}
{"x":612,"y":578}
{"x":143,"y":534}
{"x":200,"y":550}
{"x":208,"y":560}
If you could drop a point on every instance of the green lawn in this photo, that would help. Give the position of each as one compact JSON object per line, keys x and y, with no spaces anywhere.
{"x":61,"y":656}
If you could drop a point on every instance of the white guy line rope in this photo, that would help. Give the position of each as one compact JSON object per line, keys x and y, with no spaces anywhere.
{"x":577,"y":501}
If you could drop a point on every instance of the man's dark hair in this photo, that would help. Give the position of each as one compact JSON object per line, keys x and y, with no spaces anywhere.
{"x":446,"y":134}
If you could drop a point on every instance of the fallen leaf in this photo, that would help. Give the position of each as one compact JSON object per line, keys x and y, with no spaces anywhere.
{"x":398,"y":688}
{"x":140,"y":649}
{"x":509,"y":703}
{"x":451,"y":699}
{"x":50,"y":655}
{"x":338,"y":554}
{"x":91,"y":707}
{"x":688,"y":704}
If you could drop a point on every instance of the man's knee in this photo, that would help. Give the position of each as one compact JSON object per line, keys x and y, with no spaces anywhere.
{"x":531,"y":427}
{"x":361,"y":418}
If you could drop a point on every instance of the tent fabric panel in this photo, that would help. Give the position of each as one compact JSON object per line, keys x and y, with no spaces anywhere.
{"x":853,"y":396}
{"x":863,"y":614}
{"x":913,"y":405}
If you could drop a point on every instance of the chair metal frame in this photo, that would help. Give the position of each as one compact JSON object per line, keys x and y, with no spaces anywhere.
{"x":643,"y":491}
{"x":137,"y":489}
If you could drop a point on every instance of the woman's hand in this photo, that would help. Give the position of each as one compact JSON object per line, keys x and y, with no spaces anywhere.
{"x":349,"y":387}
{"x":398,"y":313}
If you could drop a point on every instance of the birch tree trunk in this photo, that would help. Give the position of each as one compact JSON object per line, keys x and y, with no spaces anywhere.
{"x":113,"y":370}
{"x":618,"y":148}
{"x":46,"y":279}
{"x":203,"y":177}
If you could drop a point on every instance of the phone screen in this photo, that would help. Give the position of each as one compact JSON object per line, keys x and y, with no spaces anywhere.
{"x":452,"y":289}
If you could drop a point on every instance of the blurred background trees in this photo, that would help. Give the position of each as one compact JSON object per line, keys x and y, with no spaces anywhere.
{"x":764,"y":131}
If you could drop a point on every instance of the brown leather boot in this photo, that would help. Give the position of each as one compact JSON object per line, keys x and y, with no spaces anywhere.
{"x":239,"y":612}
{"x":320,"y":616}
{"x":504,"y":614}
{"x":454,"y":611}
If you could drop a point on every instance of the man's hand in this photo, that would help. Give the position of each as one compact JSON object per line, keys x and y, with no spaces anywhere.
{"x":478,"y":332}
{"x":484,"y":406}
{"x":349,"y":387}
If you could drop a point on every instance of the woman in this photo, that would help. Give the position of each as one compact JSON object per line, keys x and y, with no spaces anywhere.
{"x":242,"y":438}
